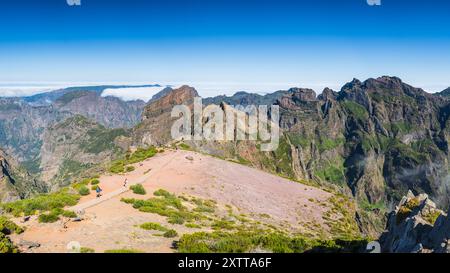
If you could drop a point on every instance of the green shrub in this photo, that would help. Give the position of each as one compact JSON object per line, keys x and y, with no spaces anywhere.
{"x":223,"y":225}
{"x":138,"y":189}
{"x":79,"y":185}
{"x":184,"y":146}
{"x":176,"y":219}
{"x":94,"y":188}
{"x":164,"y":193}
{"x":84,"y":191}
{"x":69,"y":214}
{"x":9,"y":227}
{"x":170,"y":234}
{"x":54,"y":215}
{"x":117,"y":167}
{"x":192,"y":225}
{"x":120,"y":166}
{"x":166,"y":204}
{"x":49,"y":217}
{"x":208,"y":206}
{"x":6,"y":246}
{"x":86,"y":250}
{"x":153,"y":226}
{"x":431,"y":217}
{"x":44,"y":202}
{"x":246,"y":241}
{"x":95,"y":182}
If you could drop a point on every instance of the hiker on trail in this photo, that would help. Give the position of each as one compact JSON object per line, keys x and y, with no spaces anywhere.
{"x":125,"y":182}
{"x":99,"y":191}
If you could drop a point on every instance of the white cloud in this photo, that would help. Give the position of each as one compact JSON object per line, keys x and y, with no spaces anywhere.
{"x":22,"y":91}
{"x":133,"y":93}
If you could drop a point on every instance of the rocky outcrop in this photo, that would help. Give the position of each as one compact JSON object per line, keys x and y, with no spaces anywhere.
{"x":156,"y":118}
{"x":416,"y":226}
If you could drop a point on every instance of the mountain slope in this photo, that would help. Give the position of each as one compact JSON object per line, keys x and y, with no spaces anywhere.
{"x":74,"y":145}
{"x":22,"y":126}
{"x":224,"y":196}
{"x":15,"y":182}
{"x":109,"y":111}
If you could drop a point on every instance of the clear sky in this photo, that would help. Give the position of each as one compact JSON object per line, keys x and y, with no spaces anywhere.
{"x":223,"y":46}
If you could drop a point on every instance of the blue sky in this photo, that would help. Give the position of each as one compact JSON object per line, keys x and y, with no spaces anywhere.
{"x":223,"y":46}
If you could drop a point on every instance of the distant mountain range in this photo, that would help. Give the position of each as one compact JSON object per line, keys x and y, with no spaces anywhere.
{"x":47,"y":98}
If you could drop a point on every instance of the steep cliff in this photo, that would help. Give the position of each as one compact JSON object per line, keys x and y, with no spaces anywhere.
{"x":15,"y":182}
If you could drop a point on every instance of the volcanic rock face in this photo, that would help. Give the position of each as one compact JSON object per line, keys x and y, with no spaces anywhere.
{"x":416,"y":226}
{"x":156,"y":118}
{"x":15,"y":182}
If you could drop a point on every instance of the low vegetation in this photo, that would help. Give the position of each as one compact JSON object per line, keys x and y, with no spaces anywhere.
{"x":432,"y":216}
{"x":54,"y":215}
{"x":86,"y":250}
{"x":405,"y":210}
{"x":84,"y":191}
{"x":138,"y":189}
{"x":153,"y":226}
{"x":250,"y":241}
{"x":165,"y":204}
{"x":6,"y":246}
{"x":170,"y":233}
{"x":8,"y":227}
{"x":121,"y":165}
{"x":123,"y":251}
{"x":41,"y":203}
{"x":184,"y":146}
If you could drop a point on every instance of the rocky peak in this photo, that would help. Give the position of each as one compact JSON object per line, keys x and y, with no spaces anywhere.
{"x":156,"y":118}
{"x":328,"y":94}
{"x":183,"y":95}
{"x":161,"y":93}
{"x":303,"y":94}
{"x":297,"y":97}
{"x":355,"y":83}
